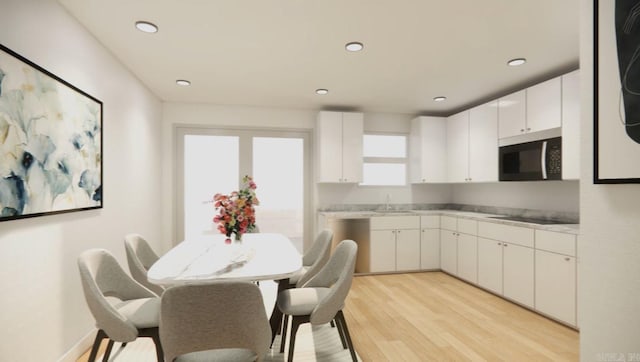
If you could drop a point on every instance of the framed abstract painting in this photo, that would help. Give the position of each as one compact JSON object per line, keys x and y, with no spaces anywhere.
{"x":616,"y":86}
{"x":50,"y":142}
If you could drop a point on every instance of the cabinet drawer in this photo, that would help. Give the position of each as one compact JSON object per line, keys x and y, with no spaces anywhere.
{"x":430,"y":222}
{"x":512,"y":234}
{"x":468,"y":226}
{"x":394,"y":222}
{"x":449,"y":223}
{"x":556,"y":242}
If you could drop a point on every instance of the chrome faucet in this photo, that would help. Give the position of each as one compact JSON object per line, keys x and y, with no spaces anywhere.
{"x":388,"y":200}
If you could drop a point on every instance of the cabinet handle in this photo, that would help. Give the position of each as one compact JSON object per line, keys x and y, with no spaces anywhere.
{"x":505,"y":245}
{"x":567,"y":259}
{"x":399,"y":231}
{"x":499,"y":243}
{"x":521,"y":129}
{"x":528,"y":129}
{"x":424,"y":180}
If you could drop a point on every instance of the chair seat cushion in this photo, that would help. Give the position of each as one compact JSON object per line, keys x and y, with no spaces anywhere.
{"x":143,"y":312}
{"x":301,"y":301}
{"x":294,"y":278}
{"x":222,"y":355}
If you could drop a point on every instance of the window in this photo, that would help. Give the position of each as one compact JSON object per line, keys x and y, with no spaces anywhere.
{"x":385,"y":160}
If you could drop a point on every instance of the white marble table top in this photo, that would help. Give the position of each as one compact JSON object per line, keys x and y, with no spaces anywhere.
{"x":259,"y":256}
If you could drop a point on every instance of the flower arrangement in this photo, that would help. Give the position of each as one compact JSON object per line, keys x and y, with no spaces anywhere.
{"x":236,"y":213}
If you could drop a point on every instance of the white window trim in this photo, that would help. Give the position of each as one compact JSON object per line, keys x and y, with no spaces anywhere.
{"x":398,"y":160}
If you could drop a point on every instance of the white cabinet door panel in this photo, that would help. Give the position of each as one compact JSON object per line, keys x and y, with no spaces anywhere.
{"x":512,"y":114}
{"x":383,"y":251}
{"x":556,"y":286}
{"x":571,"y":126}
{"x":449,"y":252}
{"x":458,"y":147}
{"x":518,"y":273}
{"x":468,"y":257}
{"x":407,"y":250}
{"x":483,"y":143}
{"x":428,"y":149}
{"x":544,"y":110}
{"x":430,"y":249}
{"x":329,"y":149}
{"x":352,"y":130}
{"x":490,"y":265}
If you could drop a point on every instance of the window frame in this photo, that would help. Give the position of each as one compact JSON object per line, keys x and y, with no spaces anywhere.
{"x":387,"y":160}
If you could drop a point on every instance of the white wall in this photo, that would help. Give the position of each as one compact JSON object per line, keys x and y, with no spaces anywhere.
{"x":560,"y":196}
{"x":44,"y":314}
{"x":609,"y":244}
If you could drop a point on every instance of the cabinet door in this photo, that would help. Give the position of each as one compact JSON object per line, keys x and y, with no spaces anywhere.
{"x":556,"y":286}
{"x":512,"y":114}
{"x":518,"y":273}
{"x":468,"y":257}
{"x":458,"y":147}
{"x":329,"y":146}
{"x":490,"y":264}
{"x":449,"y":252}
{"x":428,"y":150}
{"x":483,"y":143}
{"x":571,"y":126}
{"x":383,"y":250}
{"x":352,"y":131}
{"x":407,"y":249}
{"x":543,"y":105}
{"x":430,"y":249}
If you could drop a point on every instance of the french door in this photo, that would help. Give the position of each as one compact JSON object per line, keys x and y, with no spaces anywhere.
{"x":211,"y":160}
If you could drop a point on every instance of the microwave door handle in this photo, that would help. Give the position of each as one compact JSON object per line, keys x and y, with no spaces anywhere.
{"x":543,"y":160}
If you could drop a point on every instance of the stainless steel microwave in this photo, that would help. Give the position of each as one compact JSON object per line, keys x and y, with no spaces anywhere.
{"x":532,"y":161}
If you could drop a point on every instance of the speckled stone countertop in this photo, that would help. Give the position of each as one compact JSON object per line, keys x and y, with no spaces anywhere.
{"x":571,"y":228}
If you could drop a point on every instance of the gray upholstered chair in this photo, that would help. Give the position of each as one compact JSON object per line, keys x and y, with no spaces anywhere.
{"x":140,"y":258}
{"x":314,"y":259}
{"x":322,"y":298}
{"x":123,"y":308}
{"x":218,"y":321}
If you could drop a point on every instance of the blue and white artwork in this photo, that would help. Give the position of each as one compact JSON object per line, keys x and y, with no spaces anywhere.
{"x":50,"y":142}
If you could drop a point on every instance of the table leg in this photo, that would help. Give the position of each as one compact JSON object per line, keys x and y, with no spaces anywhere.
{"x":276,"y":315}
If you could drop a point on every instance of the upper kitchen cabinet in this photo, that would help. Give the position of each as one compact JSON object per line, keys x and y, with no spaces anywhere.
{"x":571,"y":126}
{"x":472,"y":145}
{"x":512,"y":114}
{"x":427,"y":142}
{"x":339,"y":147}
{"x":534,"y":109}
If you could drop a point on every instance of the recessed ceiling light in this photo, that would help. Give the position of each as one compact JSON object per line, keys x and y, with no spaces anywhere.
{"x":146,"y":27}
{"x":517,"y":61}
{"x":354,"y":46}
{"x":183,"y":82}
{"x":322,"y":91}
{"x":439,"y":99}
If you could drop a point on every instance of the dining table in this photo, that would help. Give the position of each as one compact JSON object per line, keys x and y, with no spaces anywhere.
{"x":258,"y":256}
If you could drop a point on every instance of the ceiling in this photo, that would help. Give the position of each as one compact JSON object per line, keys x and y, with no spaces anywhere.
{"x":276,"y":53}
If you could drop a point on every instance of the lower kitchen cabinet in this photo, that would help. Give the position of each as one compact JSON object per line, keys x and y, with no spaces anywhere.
{"x":556,"y":286}
{"x":430,"y":242}
{"x":394,"y":243}
{"x":517,"y":273}
{"x":407,"y":249}
{"x":468,"y":257}
{"x":490,"y":264}
{"x":449,"y":251}
{"x":383,"y":251}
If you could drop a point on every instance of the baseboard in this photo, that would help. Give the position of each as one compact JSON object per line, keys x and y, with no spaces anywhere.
{"x":79,"y":348}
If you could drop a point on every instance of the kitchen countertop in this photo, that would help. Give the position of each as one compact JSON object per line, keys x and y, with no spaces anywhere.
{"x":564,"y":228}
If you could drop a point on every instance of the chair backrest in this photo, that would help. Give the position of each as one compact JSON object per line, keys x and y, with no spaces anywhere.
{"x":337,"y":275}
{"x":317,"y":256}
{"x":217,"y":315}
{"x":102,"y":276}
{"x":140,"y":258}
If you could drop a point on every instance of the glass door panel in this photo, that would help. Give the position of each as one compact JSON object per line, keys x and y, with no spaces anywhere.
{"x":211,"y":165}
{"x":278,"y":170}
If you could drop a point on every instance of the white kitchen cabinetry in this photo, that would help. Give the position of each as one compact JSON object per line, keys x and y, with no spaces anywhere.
{"x":428,"y":160}
{"x":483,"y":143}
{"x":571,"y":126}
{"x":339,"y":147}
{"x":459,"y":247}
{"x":430,"y":242}
{"x":512,"y":114}
{"x":394,"y":243}
{"x":513,"y":247}
{"x":555,"y":275}
{"x":472,"y":145}
{"x":544,"y":109}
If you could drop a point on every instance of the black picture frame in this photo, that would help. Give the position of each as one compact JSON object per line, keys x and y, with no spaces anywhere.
{"x":51,"y":138}
{"x":616,"y":157}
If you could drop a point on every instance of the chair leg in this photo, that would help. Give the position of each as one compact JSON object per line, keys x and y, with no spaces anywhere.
{"x":341,"y":333}
{"x":333,"y":324}
{"x":154,"y":334}
{"x":283,"y":333}
{"x":296,"y":321}
{"x":343,"y":323}
{"x":105,"y":358}
{"x":96,"y":344}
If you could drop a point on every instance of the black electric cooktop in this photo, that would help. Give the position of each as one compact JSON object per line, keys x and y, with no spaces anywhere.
{"x":529,"y":220}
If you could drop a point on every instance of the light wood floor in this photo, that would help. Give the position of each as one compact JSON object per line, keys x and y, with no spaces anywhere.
{"x":434,"y":317}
